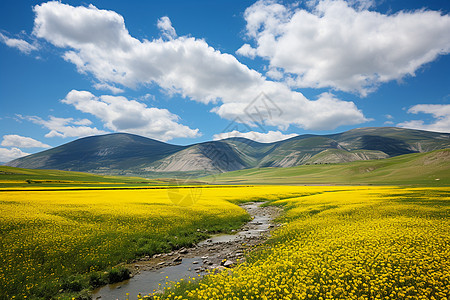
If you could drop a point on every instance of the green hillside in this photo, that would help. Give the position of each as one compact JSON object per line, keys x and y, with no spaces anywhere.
{"x":131,"y":155}
{"x":35,"y":178}
{"x":99,"y":154}
{"x":431,"y":169}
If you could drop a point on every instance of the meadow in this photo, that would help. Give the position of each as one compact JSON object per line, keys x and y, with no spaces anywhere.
{"x":62,"y":243}
{"x":344,"y":243}
{"x":425,"y":169}
{"x":61,"y":238}
{"x":13,"y":178}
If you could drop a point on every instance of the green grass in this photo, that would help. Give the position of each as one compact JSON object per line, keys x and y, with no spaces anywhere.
{"x":432,"y":169}
{"x":11,"y":177}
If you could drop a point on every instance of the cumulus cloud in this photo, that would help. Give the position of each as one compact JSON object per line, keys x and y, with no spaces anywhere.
{"x":20,"y":44}
{"x":246,"y":50}
{"x":120,"y":114}
{"x":165,"y":25}
{"x":7,"y":155}
{"x":98,"y":43}
{"x":327,"y":112}
{"x":65,"y":127}
{"x":14,"y":140}
{"x":440,"y":113}
{"x":268,"y":137}
{"x":343,"y":45}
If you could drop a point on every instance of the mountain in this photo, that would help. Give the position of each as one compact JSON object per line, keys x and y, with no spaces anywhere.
{"x":429,"y":169}
{"x":127,"y":154}
{"x":104,"y":153}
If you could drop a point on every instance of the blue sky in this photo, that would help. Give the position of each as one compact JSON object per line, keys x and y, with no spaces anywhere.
{"x":192,"y":71}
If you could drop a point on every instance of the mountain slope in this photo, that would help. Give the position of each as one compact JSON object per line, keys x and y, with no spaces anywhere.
{"x":128,"y":154}
{"x":103,"y":153}
{"x":432,"y":168}
{"x":211,"y":157}
{"x":392,"y":140}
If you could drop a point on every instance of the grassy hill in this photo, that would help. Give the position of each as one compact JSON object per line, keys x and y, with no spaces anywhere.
{"x":132,"y":155}
{"x":99,"y":154}
{"x":431,"y":169}
{"x":35,"y":178}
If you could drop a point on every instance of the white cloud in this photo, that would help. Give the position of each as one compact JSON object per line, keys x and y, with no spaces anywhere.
{"x":349,"y":48}
{"x":7,"y":155}
{"x":14,"y":140}
{"x":275,"y":73}
{"x":183,"y":65}
{"x":120,"y":114}
{"x":147,"y":97}
{"x":65,"y":127}
{"x":82,"y":122}
{"x":327,"y":112}
{"x":246,"y":50}
{"x":357,"y":4}
{"x":22,"y":45}
{"x":269,"y":137}
{"x":108,"y":87}
{"x":440,"y":112}
{"x":165,"y":25}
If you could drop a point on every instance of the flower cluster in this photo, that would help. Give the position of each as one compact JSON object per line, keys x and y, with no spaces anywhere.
{"x":345,"y":243}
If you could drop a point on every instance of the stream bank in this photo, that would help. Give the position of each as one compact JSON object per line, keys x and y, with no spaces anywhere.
{"x":220,"y":251}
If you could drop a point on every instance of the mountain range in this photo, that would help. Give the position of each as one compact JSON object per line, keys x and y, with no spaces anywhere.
{"x":128,"y":154}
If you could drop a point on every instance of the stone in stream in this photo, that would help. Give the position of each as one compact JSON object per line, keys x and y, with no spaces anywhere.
{"x":228,"y":264}
{"x":178,"y":259}
{"x":183,"y":251}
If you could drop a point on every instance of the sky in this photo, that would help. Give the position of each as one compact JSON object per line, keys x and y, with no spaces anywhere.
{"x":185,"y":72}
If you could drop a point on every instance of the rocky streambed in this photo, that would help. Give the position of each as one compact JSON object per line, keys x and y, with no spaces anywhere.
{"x":221,"y":251}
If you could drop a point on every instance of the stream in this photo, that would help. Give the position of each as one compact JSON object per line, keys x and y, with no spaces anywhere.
{"x":220,"y":251}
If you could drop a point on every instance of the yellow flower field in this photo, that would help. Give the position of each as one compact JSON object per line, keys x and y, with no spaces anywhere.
{"x":48,"y":238}
{"x":345,"y":243}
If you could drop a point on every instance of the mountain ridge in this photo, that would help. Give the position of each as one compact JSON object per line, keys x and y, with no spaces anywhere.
{"x":427,"y":169}
{"x":129,"y":154}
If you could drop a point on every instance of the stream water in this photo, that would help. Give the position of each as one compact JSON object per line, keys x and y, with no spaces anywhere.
{"x":148,"y":281}
{"x":261,"y":223}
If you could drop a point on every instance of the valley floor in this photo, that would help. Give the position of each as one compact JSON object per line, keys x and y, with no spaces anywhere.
{"x":344,"y":243}
{"x":341,"y":242}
